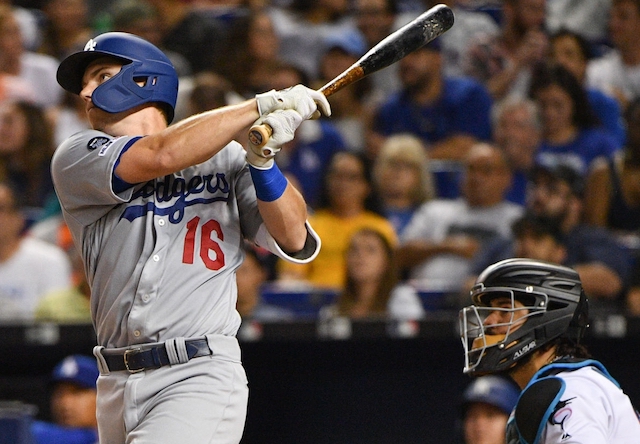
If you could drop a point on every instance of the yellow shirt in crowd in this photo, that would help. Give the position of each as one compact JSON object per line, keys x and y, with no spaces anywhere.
{"x":328,"y":268}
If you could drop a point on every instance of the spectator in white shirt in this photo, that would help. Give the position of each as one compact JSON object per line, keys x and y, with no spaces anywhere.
{"x":617,"y":73}
{"x":29,"y":268}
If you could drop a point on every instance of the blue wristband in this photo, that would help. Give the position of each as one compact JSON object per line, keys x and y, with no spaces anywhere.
{"x":269,"y":184}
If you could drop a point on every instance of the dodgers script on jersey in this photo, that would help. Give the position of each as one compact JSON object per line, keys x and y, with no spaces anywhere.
{"x":160,"y":256}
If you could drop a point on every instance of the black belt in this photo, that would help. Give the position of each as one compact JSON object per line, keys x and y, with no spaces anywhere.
{"x":147,"y":357}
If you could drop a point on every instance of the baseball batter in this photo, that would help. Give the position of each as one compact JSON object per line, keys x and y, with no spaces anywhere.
{"x":159,"y":213}
{"x":527,"y":322}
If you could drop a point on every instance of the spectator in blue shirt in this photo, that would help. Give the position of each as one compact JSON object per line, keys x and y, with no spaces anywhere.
{"x":517,"y":131}
{"x":450,"y":114}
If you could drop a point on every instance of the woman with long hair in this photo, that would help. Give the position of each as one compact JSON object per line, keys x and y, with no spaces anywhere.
{"x":571,"y":132}
{"x":403,"y":178}
{"x":26,"y":147}
{"x":372,"y":287}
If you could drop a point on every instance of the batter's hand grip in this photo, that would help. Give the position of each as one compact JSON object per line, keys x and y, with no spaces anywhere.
{"x":259,"y":135}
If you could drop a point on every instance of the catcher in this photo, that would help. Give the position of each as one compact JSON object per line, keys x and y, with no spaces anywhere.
{"x":527,"y":322}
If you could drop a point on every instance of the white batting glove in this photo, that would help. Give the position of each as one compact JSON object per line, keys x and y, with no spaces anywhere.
{"x":305,"y":101}
{"x":284,"y":124}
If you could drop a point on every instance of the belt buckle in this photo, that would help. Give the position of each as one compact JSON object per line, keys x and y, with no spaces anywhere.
{"x":126,"y":359}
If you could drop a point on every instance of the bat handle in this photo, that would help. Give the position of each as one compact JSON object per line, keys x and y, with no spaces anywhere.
{"x":259,"y":135}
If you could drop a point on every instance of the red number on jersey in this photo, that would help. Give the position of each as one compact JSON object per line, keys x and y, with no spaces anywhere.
{"x":208,"y":245}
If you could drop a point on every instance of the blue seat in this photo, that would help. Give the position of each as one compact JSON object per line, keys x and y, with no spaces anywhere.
{"x":303,"y":301}
{"x":434,"y":295}
{"x":15,"y":422}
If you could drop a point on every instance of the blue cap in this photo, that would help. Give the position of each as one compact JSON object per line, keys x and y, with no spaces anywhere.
{"x":493,"y":390}
{"x":77,"y":369}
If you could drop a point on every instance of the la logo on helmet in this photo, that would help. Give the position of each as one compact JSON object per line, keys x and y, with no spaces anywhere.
{"x":90,"y":46}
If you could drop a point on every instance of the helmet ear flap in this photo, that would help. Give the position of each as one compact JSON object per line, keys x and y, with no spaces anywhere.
{"x":121,"y":92}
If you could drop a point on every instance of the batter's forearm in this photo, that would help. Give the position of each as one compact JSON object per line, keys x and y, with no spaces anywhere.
{"x":285,"y":219}
{"x":210,"y":131}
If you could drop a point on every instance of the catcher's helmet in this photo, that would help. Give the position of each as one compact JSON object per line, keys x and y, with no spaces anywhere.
{"x":142,"y":62}
{"x":550,"y":304}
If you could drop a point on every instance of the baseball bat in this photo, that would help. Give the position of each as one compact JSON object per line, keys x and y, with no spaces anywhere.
{"x":415,"y":34}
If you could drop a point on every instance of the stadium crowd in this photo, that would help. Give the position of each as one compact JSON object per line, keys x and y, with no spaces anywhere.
{"x":515,"y":133}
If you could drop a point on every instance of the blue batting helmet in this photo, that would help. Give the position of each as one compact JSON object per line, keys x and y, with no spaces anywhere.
{"x":142,"y":62}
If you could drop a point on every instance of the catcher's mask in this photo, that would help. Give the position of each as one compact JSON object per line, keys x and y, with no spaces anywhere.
{"x":519,"y":305}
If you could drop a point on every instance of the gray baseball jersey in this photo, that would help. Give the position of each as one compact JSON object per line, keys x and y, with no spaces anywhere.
{"x":160,"y":256}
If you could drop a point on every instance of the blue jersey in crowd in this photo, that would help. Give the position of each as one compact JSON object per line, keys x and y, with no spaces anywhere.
{"x":463,"y":108}
{"x":581,"y":151}
{"x":608,"y":111}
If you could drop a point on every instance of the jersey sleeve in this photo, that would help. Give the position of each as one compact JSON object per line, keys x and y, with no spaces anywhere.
{"x":307,"y":254}
{"x":83,"y":171}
